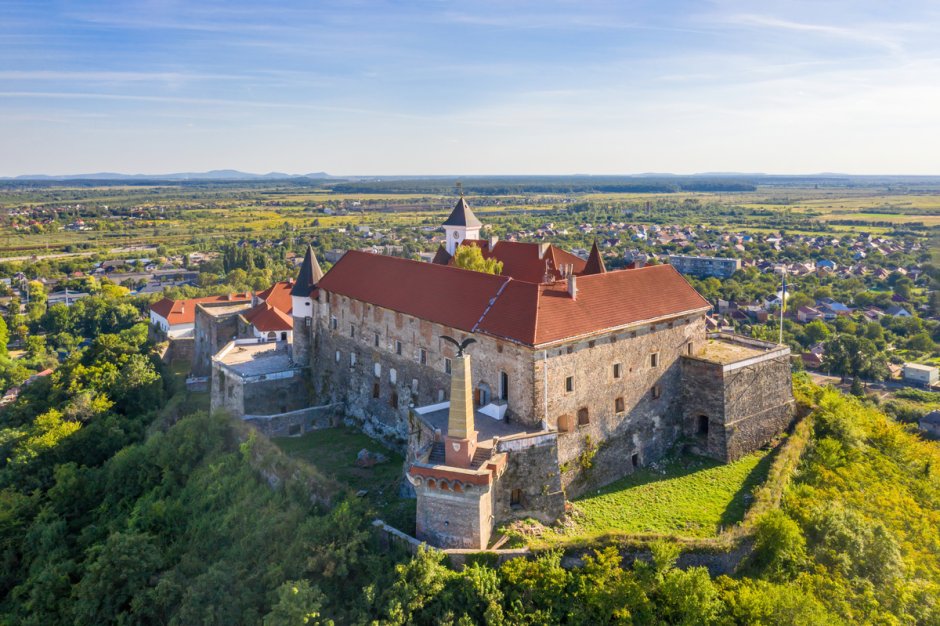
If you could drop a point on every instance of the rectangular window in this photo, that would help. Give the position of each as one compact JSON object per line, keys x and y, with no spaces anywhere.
{"x":376,"y":340}
{"x":618,"y":405}
{"x":423,"y":356}
{"x":617,"y":370}
{"x":690,"y":348}
{"x":656,"y":391}
{"x":398,"y":348}
{"x":333,"y":323}
{"x":447,"y":366}
{"x":635,"y":460}
{"x":654,"y":359}
{"x":352,"y":359}
{"x":338,"y":356}
{"x":352,"y":330}
{"x":375,"y":390}
{"x":569,"y":384}
{"x":393,"y":401}
{"x":515,"y":497}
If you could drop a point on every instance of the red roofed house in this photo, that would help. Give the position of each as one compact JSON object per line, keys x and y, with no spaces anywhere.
{"x":177,"y":318}
{"x":568,"y":359}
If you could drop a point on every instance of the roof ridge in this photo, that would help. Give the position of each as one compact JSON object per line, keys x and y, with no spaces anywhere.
{"x":491,"y":304}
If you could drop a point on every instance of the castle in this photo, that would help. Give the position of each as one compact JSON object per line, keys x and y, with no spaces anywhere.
{"x":576,"y":375}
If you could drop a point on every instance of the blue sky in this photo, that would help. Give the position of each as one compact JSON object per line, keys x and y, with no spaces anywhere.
{"x":439,"y":87}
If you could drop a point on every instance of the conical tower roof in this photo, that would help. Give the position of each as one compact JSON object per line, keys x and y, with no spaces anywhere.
{"x":595,"y":264}
{"x":463,"y":216}
{"x":310,"y":275}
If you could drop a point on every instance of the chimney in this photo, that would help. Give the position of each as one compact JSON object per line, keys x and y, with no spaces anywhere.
{"x":493,"y":240}
{"x":573,"y":286}
{"x":543,"y":248}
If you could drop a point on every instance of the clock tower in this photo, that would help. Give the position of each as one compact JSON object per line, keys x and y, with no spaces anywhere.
{"x":462,"y":224}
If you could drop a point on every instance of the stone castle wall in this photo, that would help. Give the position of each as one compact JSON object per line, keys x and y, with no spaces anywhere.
{"x":605,"y":443}
{"x":745,"y":405}
{"x":378,"y":384}
{"x":454,"y":519}
{"x":530,"y":486}
{"x":211,"y":333}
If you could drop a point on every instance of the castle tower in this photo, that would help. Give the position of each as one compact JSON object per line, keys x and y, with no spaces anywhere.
{"x":461,"y":224}
{"x":303,"y":297}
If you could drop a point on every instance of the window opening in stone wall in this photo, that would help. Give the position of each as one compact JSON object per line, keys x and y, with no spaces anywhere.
{"x":392,"y":376}
{"x":272,"y":336}
{"x":689,"y":348}
{"x":423,"y":356}
{"x":284,"y":336}
{"x":293,"y":430}
{"x":327,"y":297}
{"x":656,"y":391}
{"x":447,"y":366}
{"x":617,"y":369}
{"x":618,"y":405}
{"x":377,"y":368}
{"x":702,"y":426}
{"x":515,"y":498}
{"x":440,"y":395}
{"x":569,"y":384}
{"x":375,"y":390}
{"x":394,"y":400}
{"x":564,"y":424}
{"x":398,"y":348}
{"x":333,"y":323}
{"x":352,"y":359}
{"x":352,"y":330}
{"x":583,"y":417}
{"x":376,"y":340}
{"x":654,"y":359}
{"x":504,"y":386}
{"x":635,"y":459}
{"x":338,"y":356}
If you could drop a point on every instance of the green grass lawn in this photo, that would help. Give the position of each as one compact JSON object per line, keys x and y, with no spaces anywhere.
{"x":688,"y":496}
{"x":333,"y":452}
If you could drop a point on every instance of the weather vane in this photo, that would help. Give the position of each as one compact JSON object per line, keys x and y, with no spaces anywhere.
{"x":460,"y":188}
{"x":460,"y":346}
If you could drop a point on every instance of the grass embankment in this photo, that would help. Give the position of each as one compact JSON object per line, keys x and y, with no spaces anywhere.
{"x":690,"y":496}
{"x":333,"y":451}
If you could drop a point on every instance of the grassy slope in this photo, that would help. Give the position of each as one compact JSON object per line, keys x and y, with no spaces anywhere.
{"x":333,"y":452}
{"x":688,"y":496}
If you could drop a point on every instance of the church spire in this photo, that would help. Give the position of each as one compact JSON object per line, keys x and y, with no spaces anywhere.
{"x":310,"y":275}
{"x":595,"y":263}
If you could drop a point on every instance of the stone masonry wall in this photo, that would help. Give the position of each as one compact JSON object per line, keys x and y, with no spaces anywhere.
{"x":449,"y":519}
{"x":378,"y":383}
{"x":211,"y":333}
{"x":599,"y":446}
{"x":295,"y":423}
{"x":746,"y":406}
{"x":759,"y":405}
{"x":532,"y":469}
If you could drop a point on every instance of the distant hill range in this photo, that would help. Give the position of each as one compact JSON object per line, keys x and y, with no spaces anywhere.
{"x":212,"y":175}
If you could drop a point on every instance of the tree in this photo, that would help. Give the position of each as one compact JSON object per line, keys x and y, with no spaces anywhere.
{"x":4,"y":338}
{"x":816,"y":331}
{"x":471,"y":258}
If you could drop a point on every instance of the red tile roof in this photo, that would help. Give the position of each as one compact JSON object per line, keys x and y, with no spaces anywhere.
{"x":279,"y":295}
{"x":267,"y":318}
{"x":527,"y":261}
{"x":184,"y":311}
{"x":516,"y":310}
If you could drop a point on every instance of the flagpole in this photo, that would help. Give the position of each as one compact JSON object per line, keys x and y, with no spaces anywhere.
{"x":783,"y":304}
